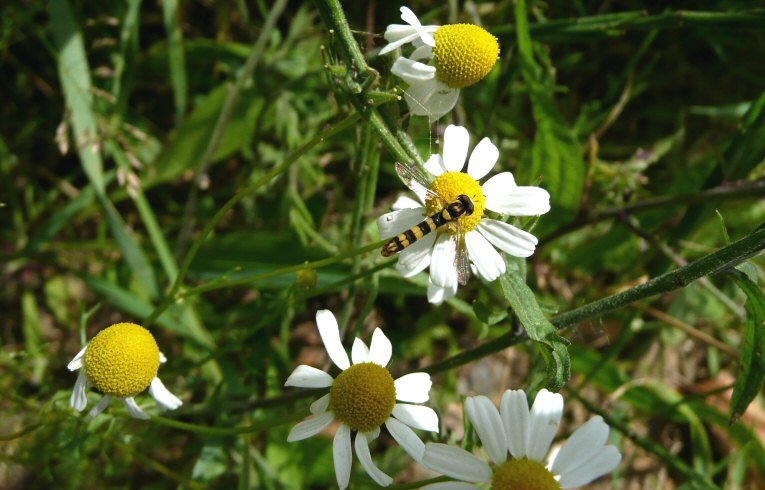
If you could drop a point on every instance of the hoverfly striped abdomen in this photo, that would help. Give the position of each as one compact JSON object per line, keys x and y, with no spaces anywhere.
{"x":462,"y":206}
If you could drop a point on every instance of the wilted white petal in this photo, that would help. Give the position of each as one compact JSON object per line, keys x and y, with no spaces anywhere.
{"x":342,"y":455}
{"x":133,"y":408}
{"x":545,"y":418}
{"x":362,"y":451}
{"x":320,"y":406}
{"x":309,"y":377}
{"x":514,"y":410}
{"x":485,"y":418}
{"x":330,"y":335}
{"x":455,"y":462}
{"x":359,"y":352}
{"x":410,"y":18}
{"x":413,"y":387}
{"x":162,"y":395}
{"x":604,"y":462}
{"x":79,"y":398}
{"x":406,"y":438}
{"x":417,"y":416}
{"x":581,"y":446}
{"x":431,"y":98}
{"x":483,"y":158}
{"x":76,"y":363}
{"x":508,"y":238}
{"x":393,"y":223}
{"x":398,"y":35}
{"x":489,"y":264}
{"x":442,"y":270}
{"x":412,"y":72}
{"x":310,"y":427}
{"x":96,"y":411}
{"x":456,"y":144}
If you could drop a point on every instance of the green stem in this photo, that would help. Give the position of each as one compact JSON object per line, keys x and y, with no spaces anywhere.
{"x":227,"y":431}
{"x":170,"y":297}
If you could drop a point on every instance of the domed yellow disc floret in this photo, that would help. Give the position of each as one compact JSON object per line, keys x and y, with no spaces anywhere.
{"x":363,"y":396}
{"x":523,"y":474}
{"x":450,"y":185}
{"x":122,"y":360}
{"x":465,"y":53}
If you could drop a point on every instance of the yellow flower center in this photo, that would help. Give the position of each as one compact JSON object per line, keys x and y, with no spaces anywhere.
{"x":450,"y":185}
{"x":523,"y":474}
{"x":363,"y":396}
{"x":122,"y":360}
{"x":465,"y":53}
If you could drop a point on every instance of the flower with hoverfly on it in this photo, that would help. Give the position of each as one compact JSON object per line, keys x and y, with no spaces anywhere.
{"x":445,"y":59}
{"x":452,"y":205}
{"x":363,"y":398}
{"x":121,"y":361}
{"x":526,"y":436}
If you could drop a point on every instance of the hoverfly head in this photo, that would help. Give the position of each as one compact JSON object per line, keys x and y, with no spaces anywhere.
{"x":468,"y":203}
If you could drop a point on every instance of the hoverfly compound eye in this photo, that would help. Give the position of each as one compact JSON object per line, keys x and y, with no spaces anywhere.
{"x":468,"y":203}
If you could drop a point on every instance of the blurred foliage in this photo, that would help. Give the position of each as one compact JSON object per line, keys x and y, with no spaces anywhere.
{"x":644,"y":121}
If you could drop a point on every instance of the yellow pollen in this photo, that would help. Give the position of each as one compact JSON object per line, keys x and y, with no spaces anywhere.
{"x":363,"y":396}
{"x":523,"y":474}
{"x":464,"y":53}
{"x":450,"y":185}
{"x":122,"y":360}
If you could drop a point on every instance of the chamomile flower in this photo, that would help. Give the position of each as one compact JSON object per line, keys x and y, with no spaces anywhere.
{"x":121,"y":361}
{"x":363,"y":398}
{"x":477,"y":236}
{"x":526,"y":436}
{"x":445,"y":59}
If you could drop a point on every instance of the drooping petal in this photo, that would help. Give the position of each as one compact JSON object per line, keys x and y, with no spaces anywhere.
{"x":514,"y":410}
{"x":602,"y":463}
{"x":310,"y":427}
{"x":410,"y":18}
{"x":503,"y":196}
{"x":485,"y":418}
{"x":411,"y":71}
{"x":405,"y":202}
{"x":508,"y":238}
{"x":393,"y":223}
{"x":342,"y":456}
{"x":320,"y":405}
{"x":417,"y":416}
{"x":362,"y":451}
{"x":423,"y":52}
{"x":413,"y":388}
{"x":397,"y":35}
{"x":381,"y":349}
{"x":456,"y":143}
{"x":359,"y":352}
{"x":544,"y":421}
{"x":76,"y":363}
{"x":488,"y":263}
{"x":79,"y":398}
{"x":455,"y":462}
{"x":437,"y":295}
{"x":162,"y":395}
{"x":133,"y":408}
{"x":330,"y":335}
{"x":406,"y":438}
{"x":442,"y":270}
{"x":483,"y":159}
{"x":309,"y":377}
{"x":581,"y":446}
{"x":430,"y":98}
{"x":435,"y":165}
{"x":100,"y":407}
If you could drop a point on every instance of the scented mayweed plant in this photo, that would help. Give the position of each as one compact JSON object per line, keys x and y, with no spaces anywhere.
{"x":363,"y":398}
{"x":121,"y":361}
{"x":481,"y":234}
{"x":526,"y":436}
{"x":459,"y":55}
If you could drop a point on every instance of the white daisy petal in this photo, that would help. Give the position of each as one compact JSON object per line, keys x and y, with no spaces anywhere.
{"x":380,"y":350}
{"x":162,"y":395}
{"x":416,"y":258}
{"x":362,"y":451}
{"x":581,"y":446}
{"x":514,"y":410}
{"x":485,"y":418}
{"x":435,"y":165}
{"x":162,"y":358}
{"x":413,"y":387}
{"x":503,"y":196}
{"x":342,"y":455}
{"x":398,"y":35}
{"x":412,"y":71}
{"x":431,"y":98}
{"x":310,"y":427}
{"x":489,"y":264}
{"x":406,"y":438}
{"x":508,"y":238}
{"x":102,"y":405}
{"x":456,"y":143}
{"x":393,"y":223}
{"x":133,"y":408}
{"x":359,"y":352}
{"x":406,"y":202}
{"x":545,"y":418}
{"x":330,"y":335}
{"x":455,"y":462}
{"x":320,"y":406}
{"x":410,"y":18}
{"x":483,"y":159}
{"x":437,"y":295}
{"x":77,"y":362}
{"x":417,"y":416}
{"x":451,"y":485}
{"x":79,"y":398}
{"x":442,"y":270}
{"x":309,"y":377}
{"x":604,"y":462}
{"x":424,"y":52}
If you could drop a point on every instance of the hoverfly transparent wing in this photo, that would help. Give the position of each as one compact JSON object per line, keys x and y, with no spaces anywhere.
{"x":461,"y":259}
{"x":417,"y":180}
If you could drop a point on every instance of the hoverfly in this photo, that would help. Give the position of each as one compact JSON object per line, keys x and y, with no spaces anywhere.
{"x":420,"y":182}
